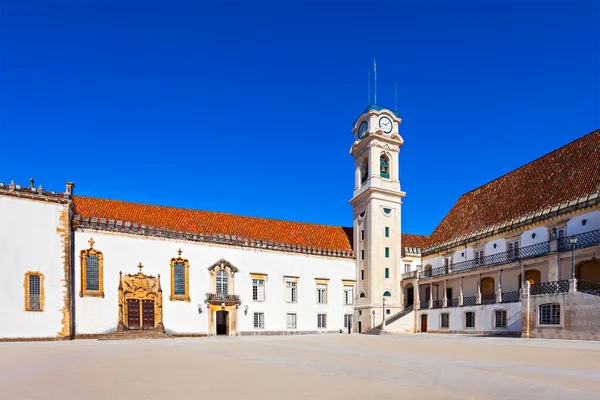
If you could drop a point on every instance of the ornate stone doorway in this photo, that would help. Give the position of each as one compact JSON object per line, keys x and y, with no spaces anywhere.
{"x":140,"y":302}
{"x":222,"y":303}
{"x":222,"y":322}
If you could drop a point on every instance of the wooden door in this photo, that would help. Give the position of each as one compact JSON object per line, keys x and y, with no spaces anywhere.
{"x":424,"y":323}
{"x":133,"y":314}
{"x":148,"y":314}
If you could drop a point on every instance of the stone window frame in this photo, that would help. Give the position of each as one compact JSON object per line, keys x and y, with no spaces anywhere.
{"x":512,"y":239}
{"x":539,"y":317}
{"x":290,"y":279}
{"x":261,"y":320}
{"x":295,"y":319}
{"x":495,"y":319}
{"x":474,"y":319}
{"x":84,"y":292}
{"x":348,"y":301}
{"x":263,"y":278}
{"x":324,"y":325}
{"x":186,"y":266}
{"x":442,"y":320}
{"x":322,"y":282}
{"x":27,"y":292}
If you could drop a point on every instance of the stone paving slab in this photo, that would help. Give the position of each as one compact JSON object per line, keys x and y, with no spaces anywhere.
{"x":301,"y":367}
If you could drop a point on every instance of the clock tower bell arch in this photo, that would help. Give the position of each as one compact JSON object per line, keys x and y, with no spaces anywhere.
{"x":376,"y":204}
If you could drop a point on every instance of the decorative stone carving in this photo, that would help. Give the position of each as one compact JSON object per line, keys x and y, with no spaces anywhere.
{"x":140,"y":287}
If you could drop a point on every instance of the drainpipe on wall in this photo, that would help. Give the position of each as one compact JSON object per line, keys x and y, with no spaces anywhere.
{"x":528,"y":306}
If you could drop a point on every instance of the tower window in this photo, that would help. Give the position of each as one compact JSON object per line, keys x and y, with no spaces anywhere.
{"x":387,"y":272}
{"x":387,"y":231}
{"x":387,"y":252}
{"x":362,"y":235}
{"x":384,"y":167}
{"x":364,"y":170}
{"x":362,"y":275}
{"x":387,"y":210}
{"x":362,"y":254}
{"x":387,"y":294}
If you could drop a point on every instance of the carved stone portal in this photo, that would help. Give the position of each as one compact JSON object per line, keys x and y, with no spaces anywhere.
{"x":140,"y":291}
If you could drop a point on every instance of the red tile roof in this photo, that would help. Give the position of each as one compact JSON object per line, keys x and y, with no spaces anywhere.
{"x":208,"y":223}
{"x":564,"y":174}
{"x":410,"y":240}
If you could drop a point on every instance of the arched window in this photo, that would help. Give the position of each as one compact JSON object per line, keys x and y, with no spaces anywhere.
{"x":387,"y":294}
{"x":92,"y":279}
{"x":222,"y":282}
{"x":180,"y":278}
{"x":362,"y":295}
{"x":364,"y":170}
{"x":384,"y":166}
{"x":550,"y":314}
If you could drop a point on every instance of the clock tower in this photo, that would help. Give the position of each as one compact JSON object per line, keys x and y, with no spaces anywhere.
{"x":376,"y":205}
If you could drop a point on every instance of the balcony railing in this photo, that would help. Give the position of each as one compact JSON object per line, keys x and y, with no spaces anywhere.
{"x":588,"y":287}
{"x":438,"y":303}
{"x":424,"y":305}
{"x":222,"y":298}
{"x":409,"y":275}
{"x":549,"y":288}
{"x":452,"y":302}
{"x":488,"y":299}
{"x":470,"y":301}
{"x":511,"y":297}
{"x":584,"y":240}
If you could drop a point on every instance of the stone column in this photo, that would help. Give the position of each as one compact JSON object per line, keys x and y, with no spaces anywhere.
{"x":553,"y":268}
{"x":430,"y":295}
{"x":445,"y":293}
{"x":417,"y":296}
{"x":499,"y":291}
{"x":460,"y":293}
{"x":478,"y":300}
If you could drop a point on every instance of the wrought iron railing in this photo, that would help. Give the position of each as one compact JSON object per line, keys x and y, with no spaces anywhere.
{"x":511,"y":297}
{"x":488,"y":299}
{"x":549,"y":288}
{"x":452,"y":302}
{"x":222,"y":297}
{"x":424,"y":305}
{"x":470,"y":301}
{"x":588,"y":287}
{"x":438,"y":303}
{"x":584,"y":240}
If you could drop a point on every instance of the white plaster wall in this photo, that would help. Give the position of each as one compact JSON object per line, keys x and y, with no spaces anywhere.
{"x":592,"y":223}
{"x":541,"y":235}
{"x":435,"y":262}
{"x":124,"y":252}
{"x":29,"y":241}
{"x":406,"y":324}
{"x":484,"y":318}
{"x":500,"y":247}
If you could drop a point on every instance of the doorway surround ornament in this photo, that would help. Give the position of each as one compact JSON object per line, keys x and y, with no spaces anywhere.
{"x":140,"y":287}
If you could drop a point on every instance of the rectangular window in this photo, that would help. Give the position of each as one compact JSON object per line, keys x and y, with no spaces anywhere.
{"x":500,"y":318}
{"x":387,"y":272}
{"x":321,"y":320}
{"x":406,"y":267}
{"x":362,"y":235}
{"x":178,"y":279}
{"x":347,"y":321}
{"x":362,"y":254}
{"x":388,"y":312}
{"x":259,"y":320}
{"x":479,"y":257}
{"x":427,"y":293}
{"x":387,"y":252}
{"x":348,"y":294}
{"x":387,"y":231}
{"x":560,"y":233}
{"x":445,"y":320}
{"x":513,"y":249}
{"x":362,"y":274}
{"x":290,"y":321}
{"x":258,"y":289}
{"x":35,"y":291}
{"x":550,"y":314}
{"x":447,"y":261}
{"x":291,"y":289}
{"x":92,"y":276}
{"x":321,"y":293}
{"x":470,"y":319}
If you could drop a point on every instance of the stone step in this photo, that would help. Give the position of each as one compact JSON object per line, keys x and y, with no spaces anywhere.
{"x":135,"y":335}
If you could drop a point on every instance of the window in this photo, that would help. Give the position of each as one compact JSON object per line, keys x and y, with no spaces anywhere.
{"x":362,"y":254}
{"x":222,"y":282}
{"x":259,"y":320}
{"x":387,"y":252}
{"x":321,"y":293}
{"x":362,"y":274}
{"x":362,"y":295}
{"x":364,"y":170}
{"x":321,"y":320}
{"x":387,"y":294}
{"x":448,"y":261}
{"x":34,"y":291}
{"x":470,"y":319}
{"x":384,"y":167}
{"x":362,"y":235}
{"x":348,"y":321}
{"x":427,"y":293}
{"x":550,"y":314}
{"x":513,"y":249}
{"x":290,"y":321}
{"x":388,"y":312}
{"x":560,"y":233}
{"x":92,"y":263}
{"x":387,"y":231}
{"x":445,"y":322}
{"x":387,"y":272}
{"x":258,"y":289}
{"x":406,"y":267}
{"x":180,"y":278}
{"x":387,"y":210}
{"x":291,"y":289}
{"x":500,"y":318}
{"x":348,"y":295}
{"x":479,"y":257}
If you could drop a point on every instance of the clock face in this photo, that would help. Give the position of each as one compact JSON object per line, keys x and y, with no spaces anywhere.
{"x":362,"y":129}
{"x":385,"y":124}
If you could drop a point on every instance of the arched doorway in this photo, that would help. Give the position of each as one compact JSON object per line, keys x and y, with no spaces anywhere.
{"x":588,"y":270}
{"x":140,"y":302}
{"x":488,"y":293}
{"x":221,"y":322}
{"x":409,"y":297}
{"x":533,"y":276}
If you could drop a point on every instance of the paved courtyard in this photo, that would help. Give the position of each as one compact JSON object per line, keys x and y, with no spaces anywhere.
{"x":302,"y":367}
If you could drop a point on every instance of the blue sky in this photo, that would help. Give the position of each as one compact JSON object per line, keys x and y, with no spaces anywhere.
{"x":247,"y":107}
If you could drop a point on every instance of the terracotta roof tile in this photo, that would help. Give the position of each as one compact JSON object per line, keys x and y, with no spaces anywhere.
{"x":560,"y":176}
{"x":410,"y":240}
{"x":208,"y":223}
